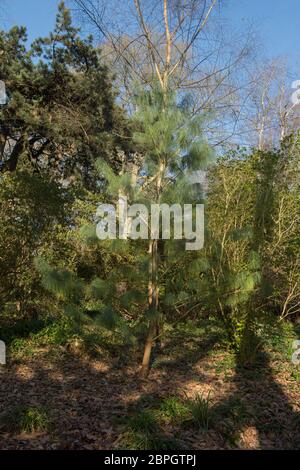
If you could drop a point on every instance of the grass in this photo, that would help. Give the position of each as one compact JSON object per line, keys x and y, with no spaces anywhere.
{"x":173,"y":410}
{"x":143,"y":432}
{"x":133,"y":440}
{"x":23,"y":419}
{"x":144,"y":421}
{"x":199,"y":407}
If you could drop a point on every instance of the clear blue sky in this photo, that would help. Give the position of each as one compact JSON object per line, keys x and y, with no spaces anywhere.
{"x":37,"y":15}
{"x":277,"y":20}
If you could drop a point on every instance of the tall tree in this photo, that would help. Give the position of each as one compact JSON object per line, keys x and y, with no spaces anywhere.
{"x":172,"y":145}
{"x":184,"y":44}
{"x":61,"y":112}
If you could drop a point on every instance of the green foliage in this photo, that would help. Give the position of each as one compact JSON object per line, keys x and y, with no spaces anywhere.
{"x":175,"y":410}
{"x":249,"y":347}
{"x":51,"y":332}
{"x":61,"y":283}
{"x":82,"y":302}
{"x":144,"y":433}
{"x":24,"y":419}
{"x":199,"y":407}
{"x":144,"y":421}
{"x":30,"y":221}
{"x":248,"y":202}
{"x":59,"y":93}
{"x":143,"y":441}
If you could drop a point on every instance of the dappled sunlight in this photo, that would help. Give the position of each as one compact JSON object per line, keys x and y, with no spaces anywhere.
{"x":249,"y":438}
{"x":24,"y":372}
{"x":89,"y":397}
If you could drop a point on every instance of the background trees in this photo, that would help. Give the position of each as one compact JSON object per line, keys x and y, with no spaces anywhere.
{"x":33,"y":213}
{"x":252,"y":204}
{"x":60,"y":116}
{"x":60,"y":112}
{"x":185,"y":45}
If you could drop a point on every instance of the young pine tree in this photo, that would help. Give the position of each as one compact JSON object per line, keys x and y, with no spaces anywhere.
{"x":147,"y":277}
{"x":171,"y":146}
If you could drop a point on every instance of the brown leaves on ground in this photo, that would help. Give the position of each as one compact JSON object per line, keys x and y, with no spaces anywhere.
{"x":89,"y":399}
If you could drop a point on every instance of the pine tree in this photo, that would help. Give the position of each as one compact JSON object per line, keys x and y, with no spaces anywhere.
{"x":61,"y":112}
{"x":172,"y":145}
{"x":137,"y":289}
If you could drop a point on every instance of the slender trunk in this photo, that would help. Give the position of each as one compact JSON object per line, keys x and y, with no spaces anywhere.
{"x":147,"y":351}
{"x":153,"y":289}
{"x":159,"y":335}
{"x":153,"y":307}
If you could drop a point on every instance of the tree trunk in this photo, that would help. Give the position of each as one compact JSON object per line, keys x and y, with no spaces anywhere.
{"x":153,"y":307}
{"x":153,"y":289}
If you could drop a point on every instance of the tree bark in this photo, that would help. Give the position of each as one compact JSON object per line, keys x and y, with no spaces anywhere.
{"x":153,"y":307}
{"x":153,"y":289}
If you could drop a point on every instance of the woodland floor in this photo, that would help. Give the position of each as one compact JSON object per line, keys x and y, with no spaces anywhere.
{"x":92,"y":399}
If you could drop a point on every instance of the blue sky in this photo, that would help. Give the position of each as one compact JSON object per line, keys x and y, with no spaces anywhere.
{"x":37,"y":15}
{"x":276,"y":20}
